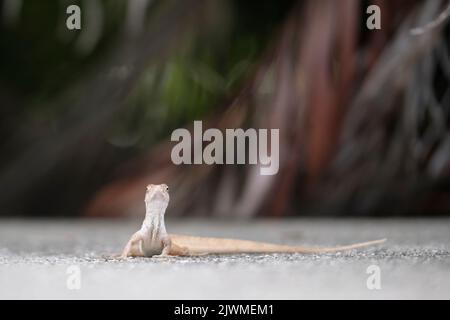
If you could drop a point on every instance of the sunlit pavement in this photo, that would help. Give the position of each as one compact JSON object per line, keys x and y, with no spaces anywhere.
{"x":71,"y":259}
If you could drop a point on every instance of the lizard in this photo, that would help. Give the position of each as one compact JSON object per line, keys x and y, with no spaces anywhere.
{"x":152,"y":239}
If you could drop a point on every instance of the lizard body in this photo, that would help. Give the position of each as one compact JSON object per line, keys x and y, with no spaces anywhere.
{"x":153,"y":240}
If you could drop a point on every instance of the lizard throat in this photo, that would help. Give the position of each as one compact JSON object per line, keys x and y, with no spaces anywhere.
{"x":154,"y":216}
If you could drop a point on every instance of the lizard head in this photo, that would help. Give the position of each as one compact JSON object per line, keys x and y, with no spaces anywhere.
{"x":157,"y":192}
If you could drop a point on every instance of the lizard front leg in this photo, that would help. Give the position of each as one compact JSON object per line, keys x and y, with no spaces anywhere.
{"x":179,"y":251}
{"x":167,"y":248}
{"x":171,"y":250}
{"x":129,"y":250}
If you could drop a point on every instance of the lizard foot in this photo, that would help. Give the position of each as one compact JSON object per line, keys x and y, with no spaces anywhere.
{"x":159,"y":256}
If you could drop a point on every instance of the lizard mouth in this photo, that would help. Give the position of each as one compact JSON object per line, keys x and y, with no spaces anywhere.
{"x":157,"y":192}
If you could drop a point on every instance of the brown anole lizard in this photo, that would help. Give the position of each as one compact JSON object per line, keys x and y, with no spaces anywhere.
{"x":152,"y":240}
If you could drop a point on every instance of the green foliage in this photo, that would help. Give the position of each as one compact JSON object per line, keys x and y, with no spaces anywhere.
{"x":40,"y":61}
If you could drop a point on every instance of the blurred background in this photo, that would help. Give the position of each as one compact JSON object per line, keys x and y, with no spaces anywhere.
{"x":86,"y":115}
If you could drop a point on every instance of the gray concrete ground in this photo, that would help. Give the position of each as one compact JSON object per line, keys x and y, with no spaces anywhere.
{"x":35,"y":256}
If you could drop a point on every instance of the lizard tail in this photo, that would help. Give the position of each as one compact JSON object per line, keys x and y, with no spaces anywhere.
{"x":203,"y":245}
{"x":339,"y":248}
